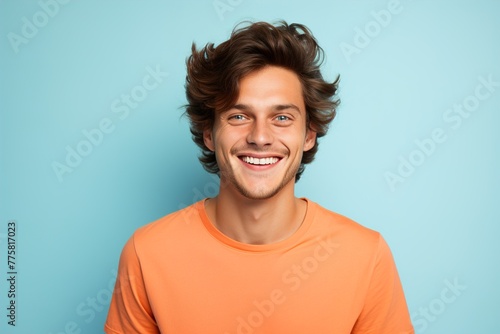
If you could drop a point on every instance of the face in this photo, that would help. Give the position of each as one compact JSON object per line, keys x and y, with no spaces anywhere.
{"x":259,"y":142}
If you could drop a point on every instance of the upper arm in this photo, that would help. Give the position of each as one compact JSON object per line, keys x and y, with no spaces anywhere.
{"x":385,"y":310}
{"x":130,"y":311}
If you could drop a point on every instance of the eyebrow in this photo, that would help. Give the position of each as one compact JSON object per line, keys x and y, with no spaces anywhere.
{"x":277,"y":107}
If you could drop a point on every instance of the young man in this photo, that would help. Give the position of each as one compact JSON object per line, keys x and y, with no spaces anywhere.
{"x":256,"y":259}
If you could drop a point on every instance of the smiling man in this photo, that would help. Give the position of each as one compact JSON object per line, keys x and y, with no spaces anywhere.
{"x":255,"y":258}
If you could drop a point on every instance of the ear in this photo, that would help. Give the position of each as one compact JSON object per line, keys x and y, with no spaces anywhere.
{"x":208,"y":139}
{"x":310,"y":140}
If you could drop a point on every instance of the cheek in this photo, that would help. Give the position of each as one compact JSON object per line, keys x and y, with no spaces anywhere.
{"x":296,"y":139}
{"x":225,"y":137}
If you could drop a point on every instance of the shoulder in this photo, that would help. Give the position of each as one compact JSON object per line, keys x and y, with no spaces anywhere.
{"x":168,"y":228}
{"x":326,"y":218}
{"x":360,"y":247}
{"x":343,"y":229}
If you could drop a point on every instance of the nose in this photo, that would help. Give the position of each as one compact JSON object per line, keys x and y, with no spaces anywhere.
{"x":260,"y":133}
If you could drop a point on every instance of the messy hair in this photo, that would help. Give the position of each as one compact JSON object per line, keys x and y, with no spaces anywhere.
{"x":214,"y":73}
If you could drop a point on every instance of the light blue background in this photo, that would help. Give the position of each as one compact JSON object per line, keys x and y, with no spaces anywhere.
{"x":442,"y":222}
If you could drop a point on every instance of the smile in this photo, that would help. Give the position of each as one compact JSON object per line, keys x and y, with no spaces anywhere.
{"x":260,"y":161}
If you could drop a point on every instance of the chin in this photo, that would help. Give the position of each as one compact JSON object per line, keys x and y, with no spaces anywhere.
{"x":260,"y":193}
{"x":257,"y":196}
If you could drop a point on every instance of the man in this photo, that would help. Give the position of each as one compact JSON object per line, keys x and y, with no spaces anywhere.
{"x":256,"y":259}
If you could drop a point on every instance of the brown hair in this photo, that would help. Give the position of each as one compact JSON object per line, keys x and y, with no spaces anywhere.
{"x":213,"y":75}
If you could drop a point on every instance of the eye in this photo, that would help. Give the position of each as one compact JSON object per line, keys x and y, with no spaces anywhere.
{"x":237,"y":117}
{"x":282,"y":118}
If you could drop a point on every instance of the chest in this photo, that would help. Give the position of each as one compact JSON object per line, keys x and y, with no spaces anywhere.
{"x":319,"y":288}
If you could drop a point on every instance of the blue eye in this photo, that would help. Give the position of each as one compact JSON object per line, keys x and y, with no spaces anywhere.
{"x":238,"y":117}
{"x":282,"y":118}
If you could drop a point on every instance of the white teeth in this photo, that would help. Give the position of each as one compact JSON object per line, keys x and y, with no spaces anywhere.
{"x":262,"y":161}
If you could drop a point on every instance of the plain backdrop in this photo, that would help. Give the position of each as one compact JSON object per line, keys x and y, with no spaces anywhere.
{"x":93,"y":144}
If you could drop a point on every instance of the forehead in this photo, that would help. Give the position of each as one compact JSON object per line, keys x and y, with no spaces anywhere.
{"x":271,"y":84}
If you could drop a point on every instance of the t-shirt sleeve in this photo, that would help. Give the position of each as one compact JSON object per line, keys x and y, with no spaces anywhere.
{"x":385,"y":310}
{"x":129,"y":311}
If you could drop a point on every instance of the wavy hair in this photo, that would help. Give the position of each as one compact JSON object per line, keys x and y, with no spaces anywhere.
{"x":213,"y":75}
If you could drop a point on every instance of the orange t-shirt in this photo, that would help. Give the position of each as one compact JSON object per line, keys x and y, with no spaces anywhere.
{"x":181,"y":275}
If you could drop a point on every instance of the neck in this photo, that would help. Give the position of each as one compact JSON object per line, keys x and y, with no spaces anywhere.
{"x":256,"y":221}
